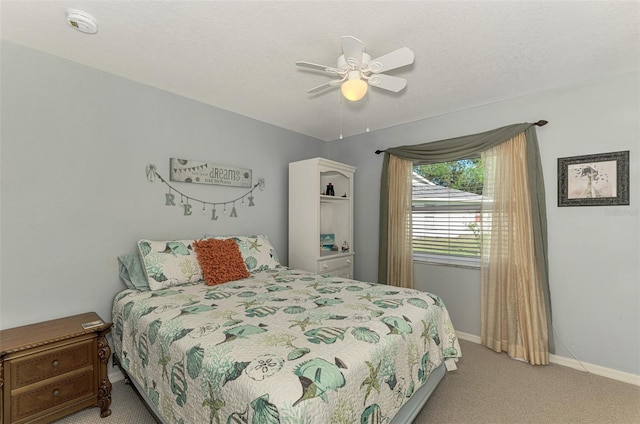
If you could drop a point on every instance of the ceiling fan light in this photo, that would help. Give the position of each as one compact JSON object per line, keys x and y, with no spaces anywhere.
{"x":354,"y":89}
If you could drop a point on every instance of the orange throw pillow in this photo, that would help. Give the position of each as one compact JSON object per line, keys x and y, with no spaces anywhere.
{"x":220,"y":261}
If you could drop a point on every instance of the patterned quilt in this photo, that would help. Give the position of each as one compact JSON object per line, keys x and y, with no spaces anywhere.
{"x":283,"y":346}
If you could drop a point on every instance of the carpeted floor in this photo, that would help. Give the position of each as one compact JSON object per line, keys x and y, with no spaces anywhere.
{"x":491,"y":388}
{"x":126,"y":408}
{"x":487,"y":388}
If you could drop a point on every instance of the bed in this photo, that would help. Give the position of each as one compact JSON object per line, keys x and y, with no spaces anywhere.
{"x":283,"y":346}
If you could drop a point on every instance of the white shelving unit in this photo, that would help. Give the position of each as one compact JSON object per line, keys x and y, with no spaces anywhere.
{"x":312,"y":212}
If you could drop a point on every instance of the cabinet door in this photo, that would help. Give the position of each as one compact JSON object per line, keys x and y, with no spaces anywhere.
{"x":344,"y":273}
{"x":328,"y":265}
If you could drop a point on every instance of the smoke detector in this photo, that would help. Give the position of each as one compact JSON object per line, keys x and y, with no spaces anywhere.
{"x":82,"y":21}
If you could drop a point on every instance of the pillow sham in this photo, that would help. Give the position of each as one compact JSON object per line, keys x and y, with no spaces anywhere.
{"x":257,"y":252}
{"x":169,"y":263}
{"x":220,"y":261}
{"x":131,"y":272}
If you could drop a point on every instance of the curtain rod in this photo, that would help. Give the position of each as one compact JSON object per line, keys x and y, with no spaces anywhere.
{"x":540,"y":123}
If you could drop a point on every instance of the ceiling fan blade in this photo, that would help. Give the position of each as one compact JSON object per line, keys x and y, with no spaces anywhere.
{"x":317,"y":67}
{"x":324,"y":86}
{"x":393,"y":60}
{"x":387,"y":82}
{"x":352,"y":49}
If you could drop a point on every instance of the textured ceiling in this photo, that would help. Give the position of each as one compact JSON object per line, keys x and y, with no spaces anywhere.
{"x":240,"y":56}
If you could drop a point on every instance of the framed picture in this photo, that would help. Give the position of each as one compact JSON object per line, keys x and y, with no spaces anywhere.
{"x":594,"y":180}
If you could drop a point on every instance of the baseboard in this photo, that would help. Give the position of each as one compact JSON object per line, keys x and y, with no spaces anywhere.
{"x":625,"y":377}
{"x":572,"y":363}
{"x":468,"y":337}
{"x":116,"y":376}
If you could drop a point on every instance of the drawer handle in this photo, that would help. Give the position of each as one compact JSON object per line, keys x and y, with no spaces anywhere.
{"x":349,"y":261}
{"x":56,"y":393}
{"x":55,"y":364}
{"x":325,"y":266}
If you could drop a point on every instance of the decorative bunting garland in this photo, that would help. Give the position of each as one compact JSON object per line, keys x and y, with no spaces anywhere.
{"x":187,"y":207}
{"x":191,"y":169}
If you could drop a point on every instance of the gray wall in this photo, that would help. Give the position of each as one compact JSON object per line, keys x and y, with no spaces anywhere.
{"x":75,"y":143}
{"x":593,"y":251}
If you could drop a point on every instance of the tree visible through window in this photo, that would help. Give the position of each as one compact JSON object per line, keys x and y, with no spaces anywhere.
{"x":446,"y":202}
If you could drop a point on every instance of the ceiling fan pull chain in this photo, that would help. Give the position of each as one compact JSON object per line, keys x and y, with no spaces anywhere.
{"x":340,"y":97}
{"x":367,"y":112}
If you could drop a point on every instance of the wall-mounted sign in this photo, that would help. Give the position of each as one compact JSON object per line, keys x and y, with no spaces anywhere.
{"x":187,"y":202}
{"x":191,"y":171}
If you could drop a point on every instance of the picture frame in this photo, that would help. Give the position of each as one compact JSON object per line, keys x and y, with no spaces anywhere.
{"x":594,"y":180}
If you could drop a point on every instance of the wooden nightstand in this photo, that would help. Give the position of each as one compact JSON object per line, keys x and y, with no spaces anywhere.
{"x":54,"y":368}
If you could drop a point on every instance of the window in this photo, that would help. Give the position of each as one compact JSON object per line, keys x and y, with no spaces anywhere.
{"x":446,"y":203}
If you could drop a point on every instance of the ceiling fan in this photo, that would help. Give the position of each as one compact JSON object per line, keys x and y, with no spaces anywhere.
{"x":356,"y":71}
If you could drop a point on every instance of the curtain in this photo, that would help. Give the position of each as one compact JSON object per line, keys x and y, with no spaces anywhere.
{"x":471,"y":146}
{"x":513,"y":319}
{"x":400,"y":252}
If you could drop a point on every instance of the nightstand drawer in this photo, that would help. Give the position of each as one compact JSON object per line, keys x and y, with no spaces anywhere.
{"x":331,"y":264}
{"x":60,"y":391}
{"x":51,"y":363}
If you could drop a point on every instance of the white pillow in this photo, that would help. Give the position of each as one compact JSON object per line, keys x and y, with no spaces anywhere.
{"x":169,"y":263}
